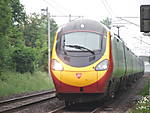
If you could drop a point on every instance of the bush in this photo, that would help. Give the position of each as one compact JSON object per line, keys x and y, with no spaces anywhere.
{"x":145,"y":90}
{"x":16,"y":83}
{"x":24,"y":59}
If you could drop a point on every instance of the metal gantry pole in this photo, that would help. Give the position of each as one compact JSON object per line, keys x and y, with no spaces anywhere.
{"x":48,"y":37}
{"x":118,"y":28}
{"x":49,"y":41}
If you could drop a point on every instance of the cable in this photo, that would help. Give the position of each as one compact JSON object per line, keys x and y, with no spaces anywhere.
{"x":60,"y":6}
{"x":129,"y":21}
{"x":65,"y":24}
{"x":129,"y":17}
{"x":60,"y":11}
{"x":142,"y":41}
{"x":140,"y":49}
{"x":135,"y":25}
{"x":107,"y":9}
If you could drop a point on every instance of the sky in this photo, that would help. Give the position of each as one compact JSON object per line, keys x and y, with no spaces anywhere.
{"x":99,"y":10}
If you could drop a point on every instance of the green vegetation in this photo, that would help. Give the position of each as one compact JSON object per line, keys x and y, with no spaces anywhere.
{"x":107,"y":22}
{"x":146,"y":90}
{"x":23,"y":38}
{"x":23,"y":49}
{"x":16,"y":83}
{"x":143,"y":106}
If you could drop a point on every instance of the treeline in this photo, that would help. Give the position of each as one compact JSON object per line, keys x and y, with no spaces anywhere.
{"x":23,"y":38}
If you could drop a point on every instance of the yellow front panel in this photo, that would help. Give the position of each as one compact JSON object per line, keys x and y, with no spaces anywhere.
{"x":86,"y":78}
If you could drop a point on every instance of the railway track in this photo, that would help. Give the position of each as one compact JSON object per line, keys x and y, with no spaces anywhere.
{"x":90,"y":107}
{"x":63,"y":109}
{"x":120,"y":104}
{"x":100,"y":107}
{"x":24,"y":101}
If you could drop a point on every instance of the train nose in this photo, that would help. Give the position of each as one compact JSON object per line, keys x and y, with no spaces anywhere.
{"x":78,"y":79}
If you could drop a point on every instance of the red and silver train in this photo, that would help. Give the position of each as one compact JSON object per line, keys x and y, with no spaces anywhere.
{"x":89,"y":61}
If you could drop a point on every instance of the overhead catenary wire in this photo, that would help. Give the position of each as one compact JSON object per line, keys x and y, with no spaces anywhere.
{"x":140,"y":48}
{"x":60,"y":11}
{"x":111,"y":10}
{"x":128,"y":21}
{"x":122,"y":18}
{"x":105,"y":6}
{"x":59,"y":5}
{"x":142,"y":41}
{"x":63,"y":25}
{"x":54,"y":7}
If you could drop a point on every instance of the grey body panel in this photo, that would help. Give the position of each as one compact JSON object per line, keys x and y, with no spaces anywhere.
{"x":125,"y":62}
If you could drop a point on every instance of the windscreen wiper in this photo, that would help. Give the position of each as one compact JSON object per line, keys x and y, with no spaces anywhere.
{"x":80,"y":47}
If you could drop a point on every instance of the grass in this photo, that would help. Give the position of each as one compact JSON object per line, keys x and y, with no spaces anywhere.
{"x":143,"y":106}
{"x":16,"y":83}
{"x":146,"y":89}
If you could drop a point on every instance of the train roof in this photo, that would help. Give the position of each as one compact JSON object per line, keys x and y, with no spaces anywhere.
{"x":85,"y":25}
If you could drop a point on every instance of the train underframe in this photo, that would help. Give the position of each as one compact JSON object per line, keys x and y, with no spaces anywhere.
{"x":114,"y":85}
{"x":74,"y":98}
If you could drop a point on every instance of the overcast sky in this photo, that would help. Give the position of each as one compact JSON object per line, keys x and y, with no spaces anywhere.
{"x":98,"y":10}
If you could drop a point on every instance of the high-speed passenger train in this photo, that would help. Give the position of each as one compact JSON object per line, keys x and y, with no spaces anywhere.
{"x":89,"y":61}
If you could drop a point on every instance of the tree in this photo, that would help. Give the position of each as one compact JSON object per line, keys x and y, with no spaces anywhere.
{"x":35,"y":31}
{"x":18,"y":13}
{"x":5,"y":23}
{"x":35,"y":35}
{"x":21,"y":35}
{"x":24,"y":59}
{"x":12,"y":17}
{"x":107,"y":22}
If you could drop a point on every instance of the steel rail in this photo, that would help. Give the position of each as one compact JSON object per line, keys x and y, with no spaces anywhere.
{"x":58,"y":110}
{"x":21,"y":102}
{"x":24,"y":97}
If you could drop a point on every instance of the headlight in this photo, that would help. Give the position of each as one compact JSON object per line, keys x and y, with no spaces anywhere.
{"x":55,"y":65}
{"x":103,"y":65}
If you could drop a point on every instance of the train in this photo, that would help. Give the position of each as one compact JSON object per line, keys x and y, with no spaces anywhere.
{"x":89,"y":61}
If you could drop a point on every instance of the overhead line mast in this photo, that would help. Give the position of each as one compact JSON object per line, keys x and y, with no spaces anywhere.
{"x":70,"y":16}
{"x":49,"y":43}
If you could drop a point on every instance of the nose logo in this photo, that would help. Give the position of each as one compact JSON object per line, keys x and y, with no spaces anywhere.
{"x":78,"y":75}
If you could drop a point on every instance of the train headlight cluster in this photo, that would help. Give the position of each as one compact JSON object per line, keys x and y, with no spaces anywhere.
{"x":103,"y":65}
{"x":55,"y":65}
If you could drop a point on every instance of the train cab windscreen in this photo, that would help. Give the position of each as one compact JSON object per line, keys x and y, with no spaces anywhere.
{"x":82,"y":41}
{"x":80,"y":49}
